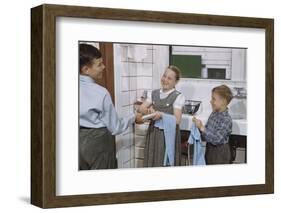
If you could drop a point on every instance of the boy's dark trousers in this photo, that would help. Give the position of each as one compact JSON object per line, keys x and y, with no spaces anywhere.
{"x":217,"y":154}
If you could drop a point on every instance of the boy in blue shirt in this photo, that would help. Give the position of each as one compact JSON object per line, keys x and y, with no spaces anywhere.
{"x":98,"y":118}
{"x":218,"y":128}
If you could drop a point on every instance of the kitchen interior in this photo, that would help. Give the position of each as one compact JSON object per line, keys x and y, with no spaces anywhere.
{"x":137,"y":70}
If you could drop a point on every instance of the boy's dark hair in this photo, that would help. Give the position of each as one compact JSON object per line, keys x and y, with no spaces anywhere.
{"x":224,"y":92}
{"x":87,"y":54}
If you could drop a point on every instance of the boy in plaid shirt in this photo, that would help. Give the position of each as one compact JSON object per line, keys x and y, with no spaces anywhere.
{"x":218,"y":128}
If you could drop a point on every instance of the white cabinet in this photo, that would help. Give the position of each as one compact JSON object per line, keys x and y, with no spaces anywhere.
{"x":233,"y":60}
{"x":140,"y":134}
{"x":238,"y":69}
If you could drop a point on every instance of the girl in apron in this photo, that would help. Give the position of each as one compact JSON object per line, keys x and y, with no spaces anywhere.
{"x":165,"y":100}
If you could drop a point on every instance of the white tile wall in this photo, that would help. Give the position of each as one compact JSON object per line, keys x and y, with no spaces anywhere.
{"x":124,"y":111}
{"x":140,"y":92}
{"x":133,"y":97}
{"x":122,"y":51}
{"x":125,"y":85}
{"x":144,"y":83}
{"x":149,"y":53}
{"x":125,"y":98}
{"x":132,"y":68}
{"x":133,"y":83}
{"x":134,"y":74}
{"x":144,"y":69}
{"x":124,"y":69}
{"x":124,"y":157}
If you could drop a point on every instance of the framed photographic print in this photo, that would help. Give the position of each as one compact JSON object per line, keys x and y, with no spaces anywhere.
{"x":136,"y":51}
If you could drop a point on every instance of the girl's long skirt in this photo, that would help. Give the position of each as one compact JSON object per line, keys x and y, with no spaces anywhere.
{"x":154,"y":150}
{"x":96,"y":149}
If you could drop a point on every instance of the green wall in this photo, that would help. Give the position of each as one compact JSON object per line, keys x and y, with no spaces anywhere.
{"x":190,"y":65}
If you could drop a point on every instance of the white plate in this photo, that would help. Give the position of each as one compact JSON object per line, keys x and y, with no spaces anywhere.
{"x":149,"y":116}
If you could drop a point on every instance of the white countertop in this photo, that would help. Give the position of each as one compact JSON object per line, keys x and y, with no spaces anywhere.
{"x":239,"y":126}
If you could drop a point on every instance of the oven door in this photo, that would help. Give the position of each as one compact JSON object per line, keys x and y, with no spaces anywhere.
{"x":217,"y":72}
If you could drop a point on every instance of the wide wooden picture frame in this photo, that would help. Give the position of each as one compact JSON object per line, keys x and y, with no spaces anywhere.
{"x":43,"y":105}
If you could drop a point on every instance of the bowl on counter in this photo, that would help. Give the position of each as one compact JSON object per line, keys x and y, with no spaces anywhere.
{"x":191,"y":107}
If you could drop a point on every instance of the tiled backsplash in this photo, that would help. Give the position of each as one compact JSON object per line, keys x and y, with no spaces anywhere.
{"x":137,"y":68}
{"x":135,"y":75}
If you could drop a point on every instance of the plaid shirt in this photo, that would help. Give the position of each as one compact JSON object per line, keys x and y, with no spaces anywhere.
{"x":218,"y":128}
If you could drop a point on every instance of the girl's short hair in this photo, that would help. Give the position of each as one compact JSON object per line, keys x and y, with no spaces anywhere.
{"x":176,"y":70}
{"x":224,"y":92}
{"x":87,"y":54}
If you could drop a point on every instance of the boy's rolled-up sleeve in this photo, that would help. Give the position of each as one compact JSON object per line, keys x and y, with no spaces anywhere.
{"x":111,"y":120}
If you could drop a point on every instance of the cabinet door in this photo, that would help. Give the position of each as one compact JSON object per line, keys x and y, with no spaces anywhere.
{"x":238,"y":71}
